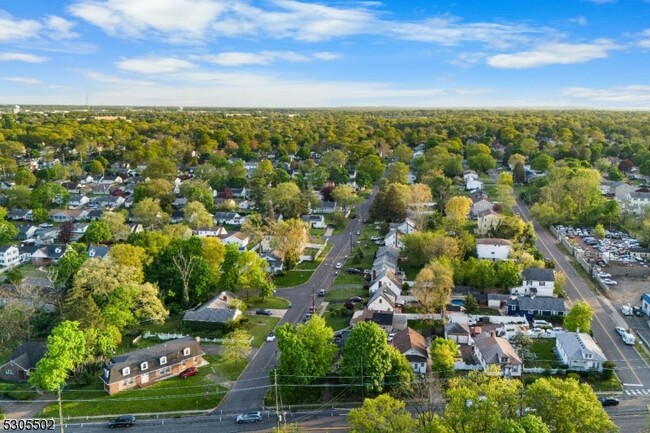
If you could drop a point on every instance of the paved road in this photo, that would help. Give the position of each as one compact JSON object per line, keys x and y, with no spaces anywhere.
{"x":248,"y":391}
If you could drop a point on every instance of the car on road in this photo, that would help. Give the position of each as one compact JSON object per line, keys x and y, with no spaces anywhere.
{"x":312,"y":310}
{"x":638,"y":311}
{"x":626,"y":310}
{"x":122,"y":421}
{"x":188,"y":372}
{"x":270,"y":337}
{"x":620,"y":330}
{"x":358,"y":232}
{"x":608,"y":401}
{"x":609,"y":282}
{"x":263,"y":312}
{"x":249,"y":417}
{"x":338,"y":265}
{"x":321,"y":293}
{"x":306,"y":318}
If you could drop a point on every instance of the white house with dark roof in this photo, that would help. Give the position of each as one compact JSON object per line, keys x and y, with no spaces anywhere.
{"x":238,"y":238}
{"x":315,"y":221}
{"x":458,"y":332}
{"x":412,"y":345}
{"x":98,"y":251}
{"x":487,"y":220}
{"x":386,"y":278}
{"x":382,"y":300}
{"x":492,"y":350}
{"x":579,"y":351}
{"x":493,"y":248}
{"x":9,"y":256}
{"x":481,"y":205}
{"x":145,"y":366}
{"x":536,"y":282}
{"x":535,"y":306}
{"x":217,"y":310}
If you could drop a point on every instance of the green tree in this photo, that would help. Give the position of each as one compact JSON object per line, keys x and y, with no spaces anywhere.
{"x":397,"y":172}
{"x":160,"y":168}
{"x":48,"y":195}
{"x":289,"y":240}
{"x":381,"y":414}
{"x":97,"y":232}
{"x":471,"y":304}
{"x":197,"y":216}
{"x":373,"y":166}
{"x":443,"y":355}
{"x":66,"y":350}
{"x":457,"y":210}
{"x":542,"y":162}
{"x":8,"y":231}
{"x":116,"y":222}
{"x":481,"y":162}
{"x":149,"y":213}
{"x":236,"y":347}
{"x":599,"y":231}
{"x":346,"y":196}
{"x":214,"y":253}
{"x":19,"y":197}
{"x":581,"y":411}
{"x":433,"y":286}
{"x":519,"y":173}
{"x":579,"y":317}
{"x":367,"y":358}
{"x":24,"y":177}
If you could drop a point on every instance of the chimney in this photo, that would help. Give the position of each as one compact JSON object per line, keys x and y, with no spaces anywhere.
{"x":374,"y":274}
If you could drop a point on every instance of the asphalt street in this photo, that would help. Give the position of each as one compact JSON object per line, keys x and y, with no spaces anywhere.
{"x":247,"y":393}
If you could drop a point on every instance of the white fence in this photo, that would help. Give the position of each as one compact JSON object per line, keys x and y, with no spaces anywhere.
{"x":170,"y":336}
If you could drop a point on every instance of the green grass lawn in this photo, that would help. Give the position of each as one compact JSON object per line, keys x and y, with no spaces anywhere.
{"x":342,"y":295}
{"x":18,"y":391}
{"x":337,"y":322}
{"x":488,"y":311}
{"x":174,"y":394}
{"x":259,"y":327}
{"x":227,"y":371}
{"x":272,"y":302}
{"x":293,"y":278}
{"x":543,"y":348}
{"x":345,"y":278}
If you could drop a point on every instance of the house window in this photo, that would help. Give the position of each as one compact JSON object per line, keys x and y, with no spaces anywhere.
{"x":128,"y":382}
{"x":542,"y":283}
{"x":186,"y":351}
{"x":9,"y":372}
{"x":164,"y":370}
{"x":126,"y":371}
{"x":144,"y":366}
{"x":107,"y":373}
{"x":163,"y":360}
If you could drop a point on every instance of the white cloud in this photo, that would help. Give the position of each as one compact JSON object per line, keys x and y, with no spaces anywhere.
{"x":21,"y":57}
{"x":579,"y":20}
{"x":553,"y":54}
{"x":154,"y":65}
{"x":23,"y":80}
{"x":175,"y":20}
{"x":624,"y":95}
{"x":466,"y":60}
{"x":235,"y":58}
{"x":109,"y":79}
{"x":59,"y":28}
{"x":644,"y":41}
{"x":14,"y":29}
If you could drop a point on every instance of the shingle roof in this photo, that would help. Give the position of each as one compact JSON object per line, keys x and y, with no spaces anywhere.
{"x":27,"y":354}
{"x":494,"y":349}
{"x":541,"y":303}
{"x":493,"y":241}
{"x":577,"y":345}
{"x":536,"y":274}
{"x":457,"y":329}
{"x":409,"y":339}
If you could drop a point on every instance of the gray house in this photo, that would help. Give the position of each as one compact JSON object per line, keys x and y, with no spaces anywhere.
{"x":22,"y":362}
{"x":579,"y":351}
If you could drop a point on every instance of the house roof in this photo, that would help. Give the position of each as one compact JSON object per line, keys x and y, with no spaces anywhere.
{"x":578,"y":345}
{"x":457,"y":329}
{"x":384,"y":293}
{"x":27,"y":354}
{"x":488,"y":212}
{"x":493,"y":241}
{"x":98,"y":251}
{"x":494,"y":349}
{"x":172,"y":350}
{"x":382,"y":318}
{"x":53,"y":251}
{"x":536,"y":274}
{"x":409,"y":339}
{"x":217,"y":310}
{"x":540,"y":303}
{"x":4,"y":248}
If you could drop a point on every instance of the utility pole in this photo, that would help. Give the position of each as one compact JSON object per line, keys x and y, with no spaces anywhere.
{"x":277,"y":404}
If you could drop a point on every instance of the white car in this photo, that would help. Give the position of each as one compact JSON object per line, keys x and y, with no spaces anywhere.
{"x":620,"y":330}
{"x":270,"y":337}
{"x":604,"y":275}
{"x":609,"y":282}
{"x":338,"y":265}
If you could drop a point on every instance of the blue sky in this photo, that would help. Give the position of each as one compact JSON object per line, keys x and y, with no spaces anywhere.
{"x":288,"y":53}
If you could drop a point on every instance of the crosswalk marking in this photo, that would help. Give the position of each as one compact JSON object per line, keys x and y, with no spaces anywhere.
{"x":637,"y":392}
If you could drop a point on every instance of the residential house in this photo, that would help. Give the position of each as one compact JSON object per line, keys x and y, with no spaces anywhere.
{"x":19,"y":215}
{"x":177,"y":216}
{"x":217,"y":311}
{"x":65,"y":215}
{"x":493,"y":249}
{"x":458,"y":332}
{"x":71,"y":187}
{"x":78,"y":200}
{"x":315,"y":221}
{"x":275,"y":264}
{"x":213,"y":232}
{"x":231,"y":218}
{"x":637,"y":201}
{"x":412,"y":345}
{"x":386,"y":278}
{"x":579,"y":352}
{"x":382,"y":300}
{"x":536,"y":306}
{"x":26,"y":251}
{"x":98,"y":251}
{"x":487,"y":220}
{"x":26,"y":231}
{"x":22,"y":362}
{"x":473,"y":185}
{"x":146,"y":366}
{"x":536,"y":281}
{"x":48,"y":254}
{"x":492,"y":350}
{"x":481,"y":205}
{"x":618,"y":190}
{"x":9,"y":256}
{"x":383,"y":319}
{"x":239,"y":192}
{"x":469,"y":175}
{"x":326,"y":207}
{"x":179,"y":203}
{"x":110,"y":180}
{"x":238,"y":238}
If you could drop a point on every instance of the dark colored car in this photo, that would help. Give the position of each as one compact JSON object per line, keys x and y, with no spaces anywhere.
{"x":356,"y":299}
{"x":263,"y":312}
{"x":321,"y":293}
{"x":354,"y":271}
{"x":123,"y":421}
{"x":191,"y":371}
{"x":637,"y":311}
{"x":608,"y":401}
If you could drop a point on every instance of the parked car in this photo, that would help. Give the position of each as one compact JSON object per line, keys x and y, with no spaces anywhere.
{"x":626,"y":310}
{"x":637,"y":311}
{"x":604,"y":275}
{"x":270,"y":337}
{"x":312,"y":310}
{"x":609,"y":282}
{"x":356,"y":299}
{"x":248,"y":417}
{"x":358,"y":232}
{"x":306,"y":318}
{"x":122,"y":421}
{"x":354,"y":271}
{"x":263,"y":312}
{"x":620,"y":330}
{"x":191,"y":371}
{"x":608,"y":401}
{"x":541,"y":324}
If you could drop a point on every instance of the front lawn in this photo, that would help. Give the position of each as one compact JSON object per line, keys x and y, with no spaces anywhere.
{"x":342,"y":295}
{"x":272,"y":302}
{"x":174,"y":394}
{"x":345,"y":278}
{"x":544,"y":351}
{"x":336,"y":321}
{"x":293,"y":278}
{"x":223,"y":370}
{"x":259,"y":327}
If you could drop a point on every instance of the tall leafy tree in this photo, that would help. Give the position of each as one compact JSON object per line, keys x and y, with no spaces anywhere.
{"x":97,"y":232}
{"x":236,"y":347}
{"x":579,"y":317}
{"x":433,"y":286}
{"x":290,"y":238}
{"x":443,"y":355}
{"x":8,"y":231}
{"x":382,"y":414}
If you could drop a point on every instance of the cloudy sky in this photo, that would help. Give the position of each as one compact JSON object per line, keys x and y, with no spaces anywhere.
{"x":329,"y":53}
